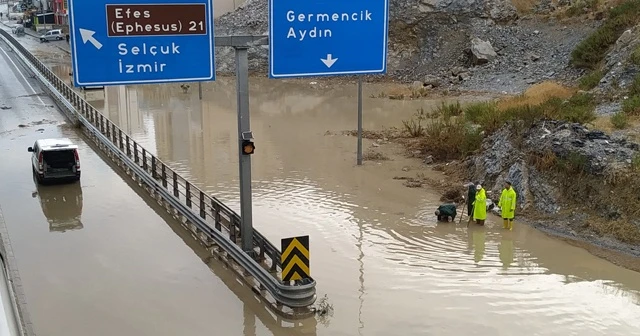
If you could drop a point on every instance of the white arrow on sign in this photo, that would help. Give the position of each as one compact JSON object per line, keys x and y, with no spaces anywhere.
{"x":328,"y":61}
{"x":87,"y":36}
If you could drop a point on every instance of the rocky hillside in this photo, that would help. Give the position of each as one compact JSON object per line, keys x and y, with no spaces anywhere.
{"x":482,"y":45}
{"x":570,"y":180}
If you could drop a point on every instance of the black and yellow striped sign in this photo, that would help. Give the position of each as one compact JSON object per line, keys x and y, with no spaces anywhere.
{"x":295,"y":258}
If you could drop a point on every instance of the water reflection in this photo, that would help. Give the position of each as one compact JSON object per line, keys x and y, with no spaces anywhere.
{"x":478,"y":241}
{"x":506,"y":250}
{"x":61,"y":205}
{"x":378,"y":252}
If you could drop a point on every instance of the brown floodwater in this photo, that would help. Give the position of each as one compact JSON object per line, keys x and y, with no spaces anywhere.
{"x":376,"y":251}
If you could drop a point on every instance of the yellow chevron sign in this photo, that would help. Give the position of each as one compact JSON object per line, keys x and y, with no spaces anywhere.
{"x":295,"y":258}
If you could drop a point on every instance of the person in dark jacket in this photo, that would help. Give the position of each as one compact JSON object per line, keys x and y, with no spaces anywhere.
{"x":471,"y":197}
{"x":446,"y":211}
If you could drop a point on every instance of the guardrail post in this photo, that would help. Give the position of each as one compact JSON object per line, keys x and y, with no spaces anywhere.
{"x":101,"y":124}
{"x":154,"y":174}
{"x":262,"y":248}
{"x":215,"y":209}
{"x":203,"y":212}
{"x":188,"y":193}
{"x":144,"y":159}
{"x":113,"y":133}
{"x":176,"y":192}
{"x":120,"y":142}
{"x":274,"y":262}
{"x":135,"y":153}
{"x":233,"y":231}
{"x":127,"y":144}
{"x":164,"y":176}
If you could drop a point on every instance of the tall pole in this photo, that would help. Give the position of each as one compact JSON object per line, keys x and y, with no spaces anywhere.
{"x":244,"y":127}
{"x":200,"y":90}
{"x":359,"y":158}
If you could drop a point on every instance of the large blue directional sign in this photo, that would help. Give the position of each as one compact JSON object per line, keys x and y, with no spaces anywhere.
{"x":118,"y":42}
{"x":320,"y":37}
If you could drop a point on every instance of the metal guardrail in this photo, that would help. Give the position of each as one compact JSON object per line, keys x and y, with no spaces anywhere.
{"x":220,"y":223}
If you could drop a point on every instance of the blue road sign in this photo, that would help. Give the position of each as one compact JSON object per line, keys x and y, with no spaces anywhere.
{"x":119,"y":42}
{"x":319,"y":37}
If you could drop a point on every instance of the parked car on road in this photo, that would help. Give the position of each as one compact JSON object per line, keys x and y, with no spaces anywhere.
{"x":55,"y":160}
{"x":52,"y":35}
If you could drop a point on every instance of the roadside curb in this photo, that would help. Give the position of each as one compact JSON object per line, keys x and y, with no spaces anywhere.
{"x":14,"y":279}
{"x":63,"y":49}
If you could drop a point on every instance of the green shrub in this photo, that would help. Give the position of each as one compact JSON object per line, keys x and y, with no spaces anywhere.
{"x":634,"y":88}
{"x":579,"y":6}
{"x":451,"y":139}
{"x":474,"y":112}
{"x":574,"y":163}
{"x":620,"y":120}
{"x":635,"y":56}
{"x":591,"y":80}
{"x":590,"y":52}
{"x":578,"y":109}
{"x":414,"y":126}
{"x":631,"y":106}
{"x":448,"y":110}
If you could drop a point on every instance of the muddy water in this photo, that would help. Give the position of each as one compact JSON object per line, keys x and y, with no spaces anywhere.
{"x":376,"y":250}
{"x":97,"y":257}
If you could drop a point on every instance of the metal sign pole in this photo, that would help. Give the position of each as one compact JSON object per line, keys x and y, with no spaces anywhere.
{"x":200,"y":90}
{"x":244,"y":130}
{"x":359,"y":121}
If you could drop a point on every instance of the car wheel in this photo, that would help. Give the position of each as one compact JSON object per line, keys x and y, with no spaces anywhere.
{"x":37,"y":176}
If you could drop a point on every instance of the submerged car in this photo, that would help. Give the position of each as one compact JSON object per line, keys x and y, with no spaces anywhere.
{"x":55,"y":160}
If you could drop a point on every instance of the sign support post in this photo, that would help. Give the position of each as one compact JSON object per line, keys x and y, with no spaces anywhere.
{"x":244,"y":133}
{"x":359,"y":155}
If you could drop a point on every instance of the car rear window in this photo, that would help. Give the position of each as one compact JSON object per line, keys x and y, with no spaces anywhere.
{"x":59,"y":158}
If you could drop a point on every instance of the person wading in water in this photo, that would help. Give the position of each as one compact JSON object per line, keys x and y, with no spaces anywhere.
{"x":471,"y":197}
{"x":480,"y":205}
{"x":507,"y":205}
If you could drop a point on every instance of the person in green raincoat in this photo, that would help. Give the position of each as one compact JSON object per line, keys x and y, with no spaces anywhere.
{"x":507,"y":205}
{"x":480,"y":206}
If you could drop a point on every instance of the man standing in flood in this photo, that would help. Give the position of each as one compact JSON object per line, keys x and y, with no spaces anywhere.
{"x":507,"y":204}
{"x":480,"y":205}
{"x":471,"y":197}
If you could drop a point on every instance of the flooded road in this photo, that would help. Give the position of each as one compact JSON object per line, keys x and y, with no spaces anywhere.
{"x":97,"y":257}
{"x":377,"y":252}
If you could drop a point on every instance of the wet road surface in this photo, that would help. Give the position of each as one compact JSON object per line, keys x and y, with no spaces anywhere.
{"x":96,"y":258}
{"x":377,"y":253}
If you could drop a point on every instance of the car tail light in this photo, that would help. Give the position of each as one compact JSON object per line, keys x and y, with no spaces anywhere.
{"x":75,"y":154}
{"x":40,"y":161}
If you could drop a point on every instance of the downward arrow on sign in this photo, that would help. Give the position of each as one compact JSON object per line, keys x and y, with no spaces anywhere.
{"x":87,"y":36}
{"x":328,"y":61}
